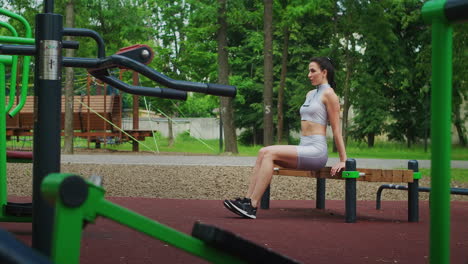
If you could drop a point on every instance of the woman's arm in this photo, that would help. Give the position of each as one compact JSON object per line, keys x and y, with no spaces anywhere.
{"x":333,"y":110}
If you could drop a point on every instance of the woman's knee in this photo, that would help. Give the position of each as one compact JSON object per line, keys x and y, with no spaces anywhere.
{"x":264,"y":151}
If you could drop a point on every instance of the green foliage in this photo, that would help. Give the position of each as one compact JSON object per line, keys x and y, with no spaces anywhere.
{"x":382,"y":47}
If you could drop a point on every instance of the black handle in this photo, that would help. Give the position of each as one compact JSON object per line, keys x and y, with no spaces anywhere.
{"x":139,"y":90}
{"x":213,"y":89}
{"x":84,"y":32}
{"x":97,"y":66}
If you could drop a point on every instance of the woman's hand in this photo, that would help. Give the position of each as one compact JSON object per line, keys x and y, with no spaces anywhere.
{"x":337,"y":167}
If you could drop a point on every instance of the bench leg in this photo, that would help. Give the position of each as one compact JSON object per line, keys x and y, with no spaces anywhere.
{"x":413,"y":194}
{"x":320,"y":193}
{"x":413,"y":201}
{"x":350,"y":195}
{"x":265,"y":202}
{"x":350,"y":201}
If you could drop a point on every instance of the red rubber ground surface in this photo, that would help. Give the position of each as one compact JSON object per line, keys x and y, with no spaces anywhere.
{"x":293,"y":228}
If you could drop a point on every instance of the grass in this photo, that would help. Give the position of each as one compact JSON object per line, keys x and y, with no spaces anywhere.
{"x":186,"y":144}
{"x":460,"y":175}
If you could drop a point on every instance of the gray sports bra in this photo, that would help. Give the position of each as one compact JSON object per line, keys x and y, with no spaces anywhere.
{"x":313,"y":108}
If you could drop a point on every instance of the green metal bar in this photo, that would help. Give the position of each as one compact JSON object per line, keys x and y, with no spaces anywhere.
{"x":66,"y":240}
{"x":164,"y":233}
{"x":441,"y":105}
{"x":26,"y":62}
{"x":17,"y":40}
{"x":68,"y":225}
{"x":5,"y":59}
{"x":14,"y":67}
{"x":3,"y":179}
{"x":3,"y":158}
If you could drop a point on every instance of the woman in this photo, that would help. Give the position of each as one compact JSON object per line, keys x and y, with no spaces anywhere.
{"x":321,"y":106}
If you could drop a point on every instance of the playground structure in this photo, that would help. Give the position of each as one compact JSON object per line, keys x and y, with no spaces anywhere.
{"x":47,"y":130}
{"x":97,"y":116}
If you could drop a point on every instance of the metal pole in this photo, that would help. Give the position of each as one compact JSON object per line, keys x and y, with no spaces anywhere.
{"x":441,"y":110}
{"x":48,"y":6}
{"x":350,"y":193}
{"x":47,"y":90}
{"x":320,"y":193}
{"x":265,"y":201}
{"x":413,"y":194}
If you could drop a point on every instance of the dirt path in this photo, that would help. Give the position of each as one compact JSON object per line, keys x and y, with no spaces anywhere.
{"x":199,"y":182}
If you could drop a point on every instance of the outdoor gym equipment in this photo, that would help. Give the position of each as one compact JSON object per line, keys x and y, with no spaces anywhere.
{"x":458,"y":191}
{"x":47,"y":89}
{"x":441,"y":14}
{"x":77,"y":200}
{"x":9,"y":211}
{"x":14,"y":212}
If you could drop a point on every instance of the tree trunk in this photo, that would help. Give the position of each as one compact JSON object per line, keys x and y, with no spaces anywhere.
{"x":458,"y":122}
{"x":284,"y":70}
{"x":170,"y":137}
{"x":268,"y":73}
{"x":346,"y":104}
{"x":69,"y":76}
{"x":370,"y":139}
{"x":227,"y":112}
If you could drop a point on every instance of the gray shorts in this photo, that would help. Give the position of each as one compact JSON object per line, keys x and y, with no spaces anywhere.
{"x":312,"y":152}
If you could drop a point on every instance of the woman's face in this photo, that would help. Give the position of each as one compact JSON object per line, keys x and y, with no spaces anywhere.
{"x":316,"y":75}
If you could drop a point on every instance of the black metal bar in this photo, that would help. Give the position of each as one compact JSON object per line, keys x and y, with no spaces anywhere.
{"x":456,"y":191}
{"x":87,"y":63}
{"x":456,"y":10}
{"x":48,"y":6}
{"x":265,"y":201}
{"x":30,"y":50}
{"x":320,"y":193}
{"x":145,"y":91}
{"x":207,"y":88}
{"x":47,"y":89}
{"x":25,"y":50}
{"x":413,"y":194}
{"x":350,"y":196}
{"x":84,"y":32}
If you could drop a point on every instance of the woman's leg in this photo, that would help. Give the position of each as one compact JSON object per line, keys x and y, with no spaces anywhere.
{"x":254,"y":175}
{"x":283,"y":155}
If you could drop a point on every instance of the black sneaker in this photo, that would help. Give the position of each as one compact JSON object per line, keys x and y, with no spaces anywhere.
{"x":227,"y":204}
{"x":244,"y":208}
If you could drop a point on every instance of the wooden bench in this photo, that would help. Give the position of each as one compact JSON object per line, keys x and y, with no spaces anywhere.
{"x":352,"y":175}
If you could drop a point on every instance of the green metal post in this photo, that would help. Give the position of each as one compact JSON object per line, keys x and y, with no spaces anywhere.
{"x":13,"y":68}
{"x":3,"y":195}
{"x":441,"y":110}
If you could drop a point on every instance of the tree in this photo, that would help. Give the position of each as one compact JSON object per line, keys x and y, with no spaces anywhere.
{"x":460,"y":81}
{"x":268,"y":74}
{"x":227,"y":113}
{"x":69,"y":78}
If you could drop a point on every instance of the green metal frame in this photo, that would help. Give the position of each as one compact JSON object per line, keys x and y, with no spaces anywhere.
{"x":68,"y":224}
{"x":26,"y":61}
{"x":6,"y":60}
{"x":433,"y":12}
{"x":417,"y":175}
{"x":14,"y":67}
{"x":350,"y":174}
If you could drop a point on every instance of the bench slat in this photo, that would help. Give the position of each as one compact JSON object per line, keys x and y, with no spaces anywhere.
{"x":371,"y":175}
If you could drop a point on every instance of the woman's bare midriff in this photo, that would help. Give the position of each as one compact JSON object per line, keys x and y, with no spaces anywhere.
{"x":309,"y":128}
